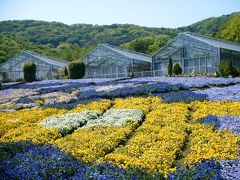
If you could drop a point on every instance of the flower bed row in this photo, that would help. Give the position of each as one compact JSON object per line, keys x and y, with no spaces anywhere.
{"x":231,"y":123}
{"x":206,"y":143}
{"x":114,"y":131}
{"x":24,"y":160}
{"x":218,"y":108}
{"x":157,"y":143}
{"x":24,"y":124}
{"x":67,"y":93}
{"x":91,"y":144}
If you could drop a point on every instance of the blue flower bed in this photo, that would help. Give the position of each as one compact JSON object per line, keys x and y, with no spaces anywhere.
{"x":232,"y":123}
{"x":221,"y":94}
{"x":205,"y":170}
{"x":230,"y":169}
{"x":24,"y":160}
{"x":226,"y":169}
{"x":181,"y":96}
{"x":40,"y":162}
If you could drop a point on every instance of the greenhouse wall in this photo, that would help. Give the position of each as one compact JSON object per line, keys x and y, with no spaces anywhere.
{"x":12,"y":70}
{"x":103,"y":62}
{"x":229,"y":55}
{"x":194,"y":56}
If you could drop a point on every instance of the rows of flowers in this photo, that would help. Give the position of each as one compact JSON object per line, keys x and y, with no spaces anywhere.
{"x":25,"y":124}
{"x":206,"y":143}
{"x":69,"y":122}
{"x":24,"y":160}
{"x":217,"y":108}
{"x":232,"y":123}
{"x":116,"y":117}
{"x":68,"y":93}
{"x":122,"y":138}
{"x":187,"y":82}
{"x":157,"y":143}
{"x":103,"y":136}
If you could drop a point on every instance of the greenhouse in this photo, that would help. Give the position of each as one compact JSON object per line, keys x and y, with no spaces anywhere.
{"x":47,"y":67}
{"x":196,"y":54}
{"x":106,"y":61}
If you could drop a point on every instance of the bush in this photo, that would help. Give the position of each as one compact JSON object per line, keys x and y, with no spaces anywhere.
{"x":65,"y":72}
{"x":170,"y":66}
{"x":29,"y":71}
{"x":76,"y":69}
{"x":177,"y":69}
{"x":227,"y":69}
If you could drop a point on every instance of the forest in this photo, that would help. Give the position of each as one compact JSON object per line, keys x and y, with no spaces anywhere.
{"x":71,"y":42}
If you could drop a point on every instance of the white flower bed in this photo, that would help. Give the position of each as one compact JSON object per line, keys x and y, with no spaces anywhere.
{"x":117,"y":117}
{"x":70,"y":121}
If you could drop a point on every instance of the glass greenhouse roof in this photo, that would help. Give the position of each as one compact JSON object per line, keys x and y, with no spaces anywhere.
{"x":130,"y":54}
{"x":215,"y":42}
{"x":49,"y":60}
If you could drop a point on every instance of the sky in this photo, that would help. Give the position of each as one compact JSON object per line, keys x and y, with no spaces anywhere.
{"x":151,"y":13}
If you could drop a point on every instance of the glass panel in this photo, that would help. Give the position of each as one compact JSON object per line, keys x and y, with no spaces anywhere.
{"x":187,"y":50}
{"x":196,"y":62}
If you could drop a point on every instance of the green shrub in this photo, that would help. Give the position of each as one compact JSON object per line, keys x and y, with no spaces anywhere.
{"x":177,"y":69}
{"x":29,"y":71}
{"x":76,"y":69}
{"x":227,"y":69}
{"x":170,"y":66}
{"x":65,"y":72}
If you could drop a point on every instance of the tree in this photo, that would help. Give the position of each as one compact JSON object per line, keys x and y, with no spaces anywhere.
{"x":66,"y":72}
{"x":76,"y":69}
{"x":226,"y":69}
{"x":170,"y":66}
{"x":147,"y":44}
{"x":231,"y":30}
{"x":160,"y":41}
{"x":29,"y":70}
{"x":177,"y":69}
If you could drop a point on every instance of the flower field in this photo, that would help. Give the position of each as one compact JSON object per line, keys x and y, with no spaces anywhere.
{"x":143,"y":128}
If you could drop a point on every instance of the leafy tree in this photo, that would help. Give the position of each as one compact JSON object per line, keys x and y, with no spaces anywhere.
{"x":231,"y":30}
{"x":170,"y":66}
{"x":29,"y":71}
{"x":10,"y":46}
{"x":76,"y":69}
{"x":148,"y":44}
{"x":226,"y":69}
{"x":160,"y":41}
{"x":177,"y":69}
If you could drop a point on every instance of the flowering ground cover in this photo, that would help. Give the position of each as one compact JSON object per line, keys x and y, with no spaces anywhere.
{"x":185,"y":134}
{"x":68,"y":93}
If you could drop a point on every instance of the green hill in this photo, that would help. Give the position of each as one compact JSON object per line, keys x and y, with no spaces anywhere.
{"x":72,"y":42}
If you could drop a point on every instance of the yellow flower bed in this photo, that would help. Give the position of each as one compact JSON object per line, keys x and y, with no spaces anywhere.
{"x":206,"y":143}
{"x":218,"y":108}
{"x":34,"y":133}
{"x":13,"y":120}
{"x":157,"y":142}
{"x":92,"y":144}
{"x":100,"y":106}
{"x":145,"y":104}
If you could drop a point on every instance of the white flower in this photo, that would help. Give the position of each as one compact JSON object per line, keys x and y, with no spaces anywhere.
{"x":117,"y":117}
{"x":70,"y":121}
